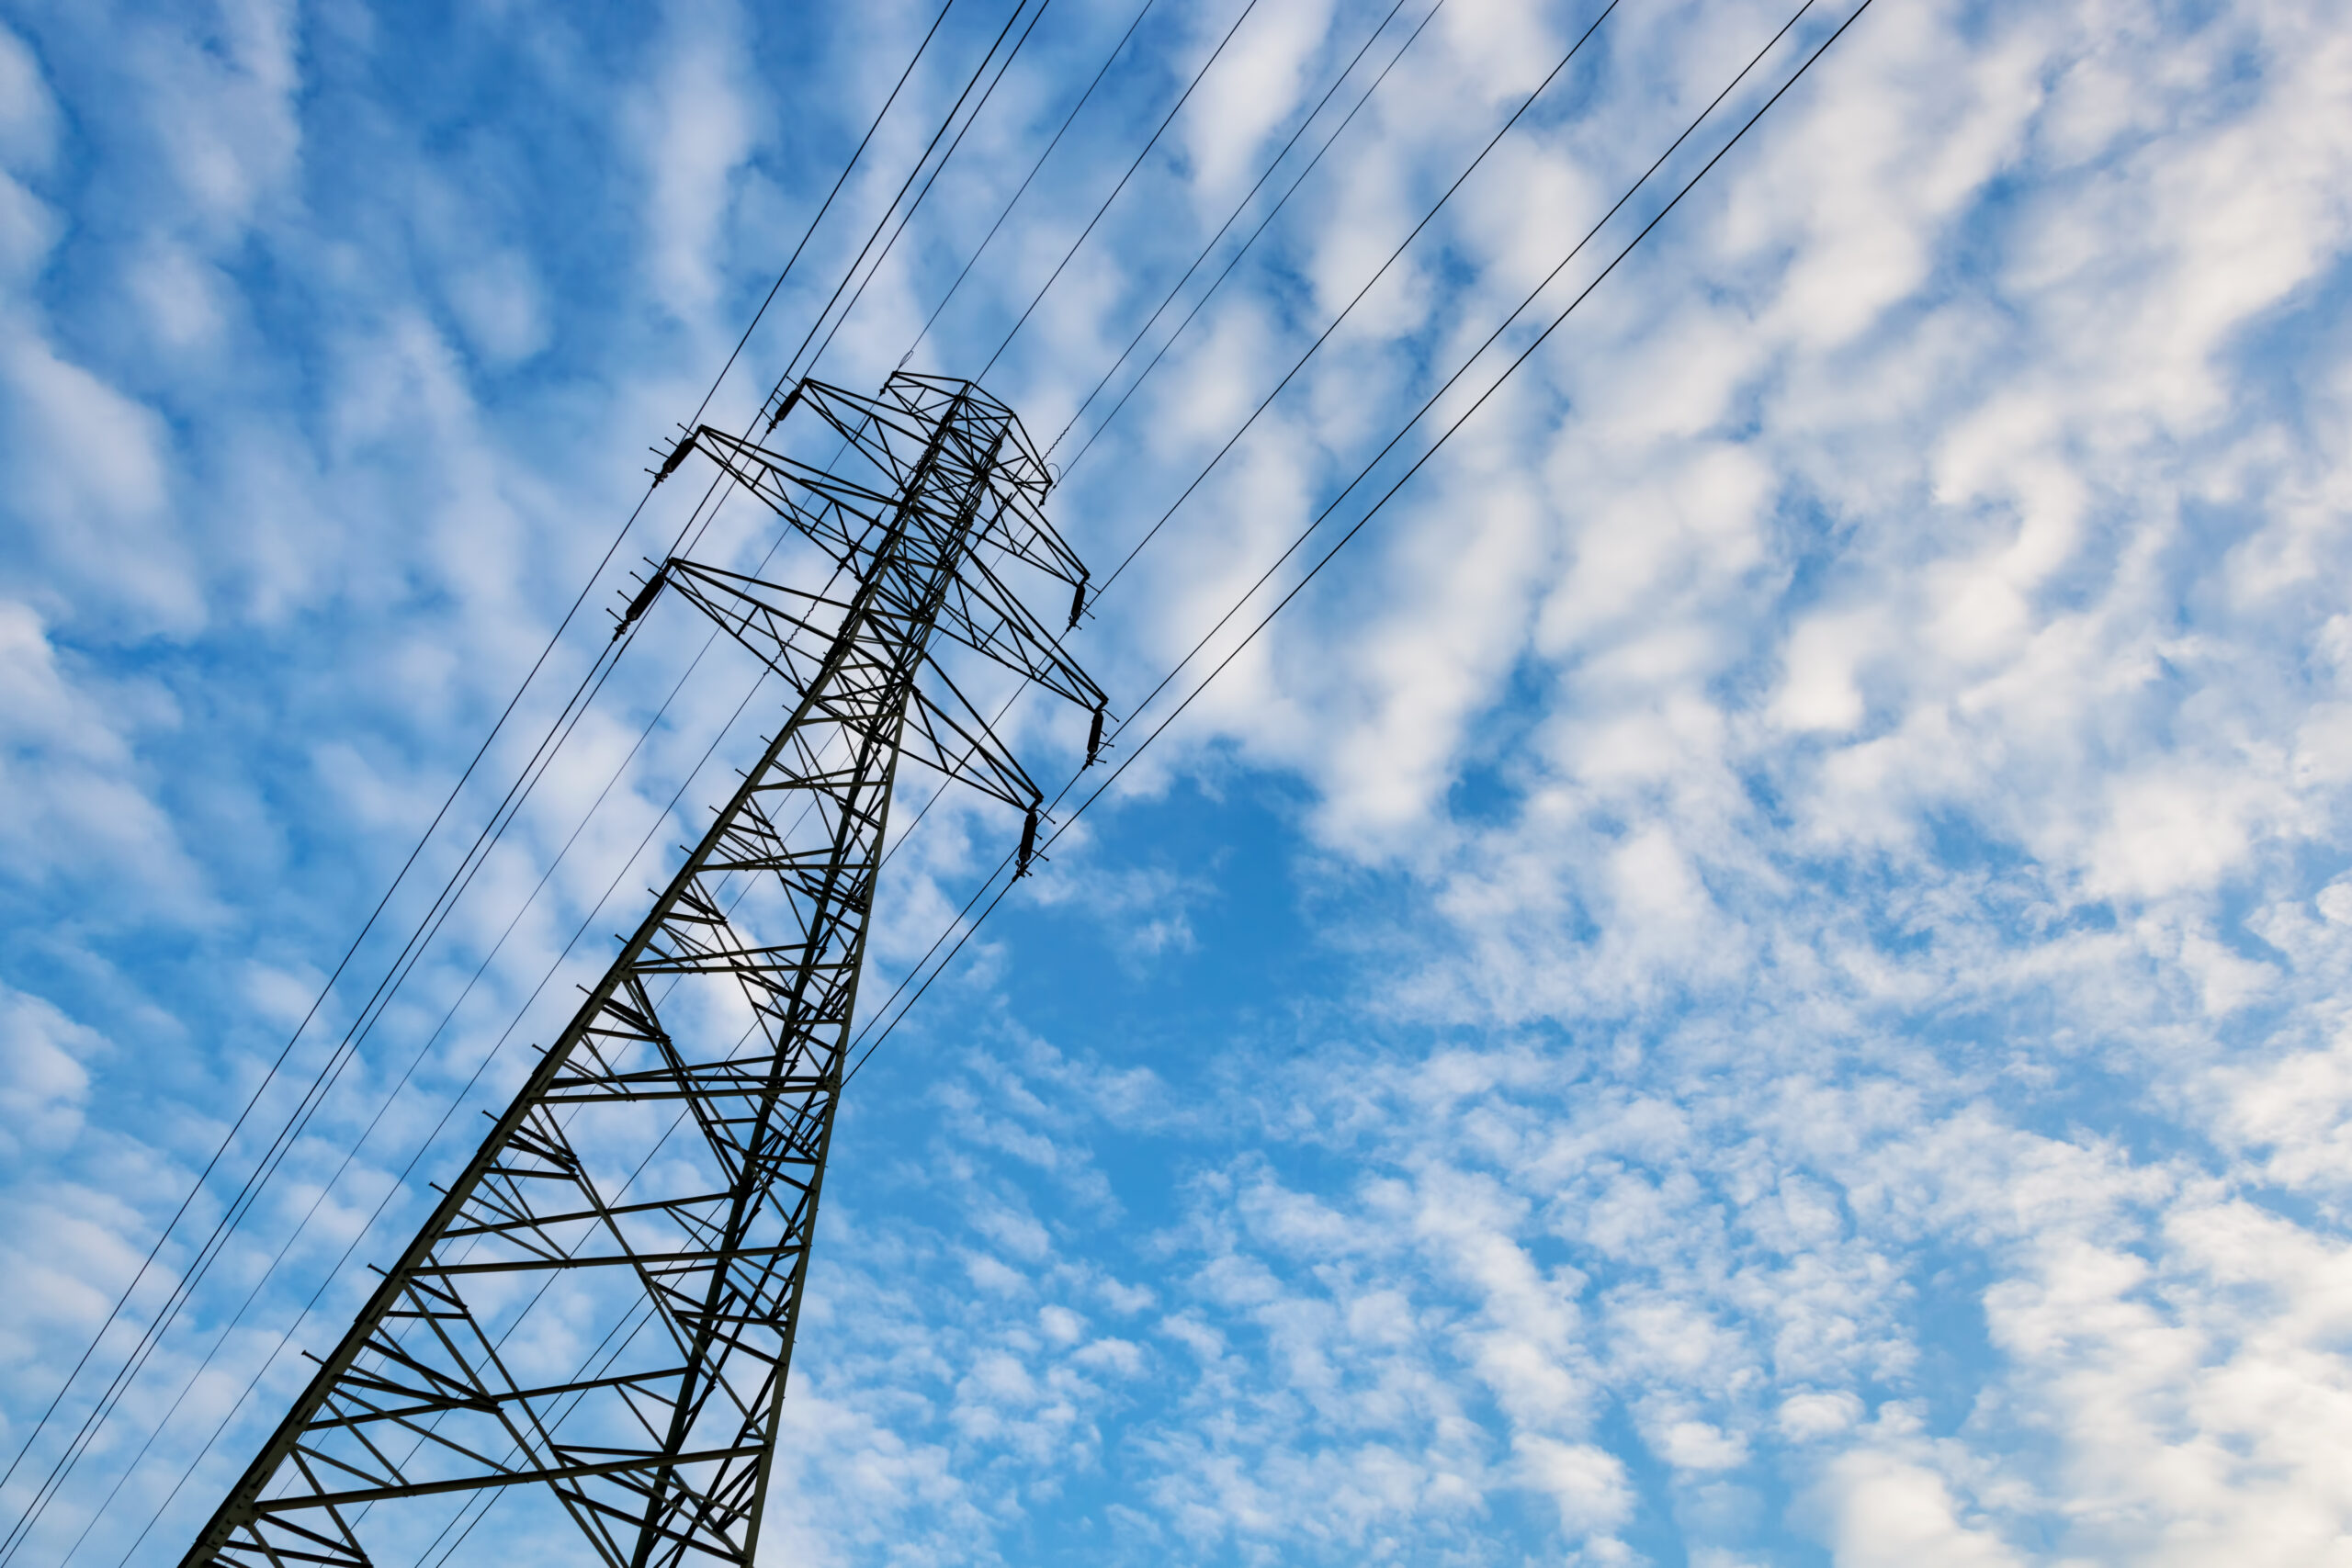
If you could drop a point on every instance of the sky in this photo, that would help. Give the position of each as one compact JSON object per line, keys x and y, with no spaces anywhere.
{"x":1751,"y":974}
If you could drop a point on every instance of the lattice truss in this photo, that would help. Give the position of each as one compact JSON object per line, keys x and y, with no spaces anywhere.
{"x":649,"y":1196}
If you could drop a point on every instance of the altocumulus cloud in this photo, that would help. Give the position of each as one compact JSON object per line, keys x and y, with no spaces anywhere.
{"x":1752,"y":976}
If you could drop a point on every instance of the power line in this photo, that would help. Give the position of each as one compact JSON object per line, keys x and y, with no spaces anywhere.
{"x":1240,"y":207}
{"x":1402,"y":245}
{"x":1464,"y":368}
{"x":973,"y":925}
{"x":1174,"y":109}
{"x":414,"y":952}
{"x":79,"y":1444}
{"x":1067,"y":120}
{"x":973,"y":118}
{"x":826,"y":207}
{"x":715,"y":494}
{"x":947,"y":120}
{"x":1274,"y":164}
{"x":1299,"y":364}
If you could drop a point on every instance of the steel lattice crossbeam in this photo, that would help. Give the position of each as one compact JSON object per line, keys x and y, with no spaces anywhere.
{"x":650,"y":1191}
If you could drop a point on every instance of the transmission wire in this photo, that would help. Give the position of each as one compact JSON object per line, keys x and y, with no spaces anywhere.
{"x":947,"y":120}
{"x":898,"y":842}
{"x":1427,"y":219}
{"x":443,"y":910}
{"x":1466,"y":366}
{"x":1299,"y":364}
{"x":1068,"y":120}
{"x":1181,"y":99}
{"x":1240,"y":207}
{"x":1359,"y":525}
{"x":810,"y":231}
{"x":896,"y":234}
{"x":79,"y":1444}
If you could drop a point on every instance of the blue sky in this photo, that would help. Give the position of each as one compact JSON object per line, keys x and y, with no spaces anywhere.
{"x":1750,"y":976}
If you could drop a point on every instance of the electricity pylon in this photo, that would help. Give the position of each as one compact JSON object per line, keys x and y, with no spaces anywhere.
{"x":651,"y":1193}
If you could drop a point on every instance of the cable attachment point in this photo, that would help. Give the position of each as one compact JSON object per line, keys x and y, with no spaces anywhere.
{"x":785,"y":407}
{"x":677,"y":456}
{"x":1028,"y":844}
{"x":1077,"y":602}
{"x":644,"y":600}
{"x":1094,"y":737}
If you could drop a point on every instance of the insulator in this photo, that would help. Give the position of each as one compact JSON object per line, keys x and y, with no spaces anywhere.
{"x":1094,"y":737}
{"x":643,"y":602}
{"x":1077,"y":603}
{"x":677,"y":456}
{"x":1028,"y":843}
{"x":785,"y":407}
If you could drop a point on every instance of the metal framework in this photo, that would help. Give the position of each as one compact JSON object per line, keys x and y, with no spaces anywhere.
{"x":651,"y":1193}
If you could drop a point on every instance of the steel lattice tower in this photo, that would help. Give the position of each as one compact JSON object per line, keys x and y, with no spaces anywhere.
{"x":653,"y":1185}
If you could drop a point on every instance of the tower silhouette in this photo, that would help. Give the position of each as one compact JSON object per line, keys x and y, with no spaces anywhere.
{"x":651,"y":1193}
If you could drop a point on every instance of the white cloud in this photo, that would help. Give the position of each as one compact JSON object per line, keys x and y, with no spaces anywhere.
{"x":1587,"y":1483}
{"x":218,"y":92}
{"x":78,"y":796}
{"x":42,"y":1082}
{"x":28,"y":111}
{"x":95,"y":466}
{"x":1257,"y":84}
{"x":1886,"y":1511}
{"x":501,"y":306}
{"x":696,"y":127}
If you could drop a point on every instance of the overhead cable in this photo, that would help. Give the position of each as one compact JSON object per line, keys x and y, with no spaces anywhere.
{"x":1301,"y":361}
{"x":1083,"y":99}
{"x":791,"y":373}
{"x":1325,"y":336}
{"x":932,"y":178}
{"x":913,"y":828}
{"x":969,"y":924}
{"x":79,"y":1443}
{"x":1240,"y":207}
{"x":1174,"y":109}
